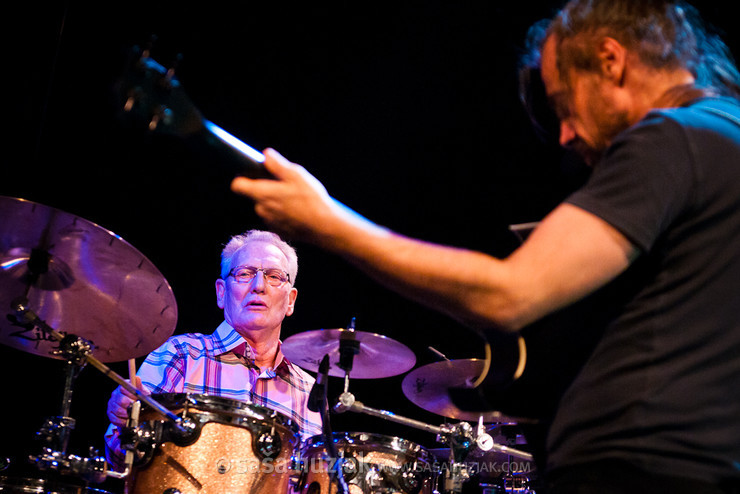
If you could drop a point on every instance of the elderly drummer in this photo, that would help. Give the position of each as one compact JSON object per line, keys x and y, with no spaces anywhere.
{"x":242,"y":359}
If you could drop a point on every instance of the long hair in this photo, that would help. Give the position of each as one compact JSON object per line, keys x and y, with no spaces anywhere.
{"x":664,"y":34}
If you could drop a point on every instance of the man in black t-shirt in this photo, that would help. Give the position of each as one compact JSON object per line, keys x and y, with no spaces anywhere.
{"x":649,"y":98}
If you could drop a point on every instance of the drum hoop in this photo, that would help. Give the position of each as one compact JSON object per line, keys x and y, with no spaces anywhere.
{"x":44,"y":484}
{"x":400,"y":445}
{"x":223,"y":410}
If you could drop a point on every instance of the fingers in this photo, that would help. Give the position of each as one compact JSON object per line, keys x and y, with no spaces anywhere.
{"x":118,"y":407}
{"x":119,"y":402}
{"x":276,"y":164}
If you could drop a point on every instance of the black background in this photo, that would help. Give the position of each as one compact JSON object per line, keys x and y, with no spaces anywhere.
{"x":407,"y":112}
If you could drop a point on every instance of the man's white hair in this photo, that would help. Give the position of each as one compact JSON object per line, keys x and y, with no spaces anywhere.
{"x":238,"y":242}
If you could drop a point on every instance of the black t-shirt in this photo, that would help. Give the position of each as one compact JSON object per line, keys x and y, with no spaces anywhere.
{"x":662,"y":387}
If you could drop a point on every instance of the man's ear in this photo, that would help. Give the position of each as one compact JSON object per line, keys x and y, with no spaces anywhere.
{"x":220,"y":291}
{"x":613,"y":59}
{"x":291,"y":301}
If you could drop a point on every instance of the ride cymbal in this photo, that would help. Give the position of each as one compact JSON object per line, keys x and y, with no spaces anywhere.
{"x":376,"y":356}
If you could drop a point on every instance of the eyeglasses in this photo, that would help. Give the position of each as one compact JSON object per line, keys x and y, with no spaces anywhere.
{"x":245,"y":274}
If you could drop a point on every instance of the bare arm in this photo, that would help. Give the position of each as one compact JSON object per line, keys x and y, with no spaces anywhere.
{"x":569,"y":255}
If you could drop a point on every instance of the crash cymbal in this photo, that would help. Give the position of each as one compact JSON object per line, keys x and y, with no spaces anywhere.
{"x":378,"y":356}
{"x":81,"y":279}
{"x":427,"y":388}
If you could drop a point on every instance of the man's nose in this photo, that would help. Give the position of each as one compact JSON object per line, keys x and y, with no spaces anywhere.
{"x":258,"y":282}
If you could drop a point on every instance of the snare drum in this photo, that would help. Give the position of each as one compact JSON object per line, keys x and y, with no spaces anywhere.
{"x":370,"y":463}
{"x":238,"y":447}
{"x":22,"y":485}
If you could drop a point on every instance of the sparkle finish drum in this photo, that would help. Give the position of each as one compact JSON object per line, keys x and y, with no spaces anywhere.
{"x":239,"y":448}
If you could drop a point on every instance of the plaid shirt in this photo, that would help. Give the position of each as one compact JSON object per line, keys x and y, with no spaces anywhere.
{"x":221,"y":364}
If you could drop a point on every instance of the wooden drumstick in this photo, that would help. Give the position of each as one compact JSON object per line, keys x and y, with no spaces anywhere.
{"x":131,"y":370}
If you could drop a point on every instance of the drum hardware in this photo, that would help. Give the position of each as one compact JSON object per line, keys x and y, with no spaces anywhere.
{"x":267,"y":445}
{"x":341,"y":471}
{"x":56,"y":431}
{"x":139,"y":441}
{"x":23,"y":485}
{"x":349,"y":347}
{"x":461,"y":437}
{"x":372,"y":463}
{"x":344,"y":353}
{"x":79,"y":275}
{"x":497,"y":470}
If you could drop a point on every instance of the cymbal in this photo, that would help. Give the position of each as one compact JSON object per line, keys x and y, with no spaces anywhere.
{"x":378,"y":356}
{"x":81,"y":279}
{"x":427,"y":388}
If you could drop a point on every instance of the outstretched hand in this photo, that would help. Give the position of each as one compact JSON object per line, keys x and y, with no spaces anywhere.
{"x":295,"y":203}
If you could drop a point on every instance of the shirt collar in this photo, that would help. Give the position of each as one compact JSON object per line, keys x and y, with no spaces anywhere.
{"x":226,"y":339}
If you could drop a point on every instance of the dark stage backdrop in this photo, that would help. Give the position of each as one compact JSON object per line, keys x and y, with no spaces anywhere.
{"x":406,"y":111}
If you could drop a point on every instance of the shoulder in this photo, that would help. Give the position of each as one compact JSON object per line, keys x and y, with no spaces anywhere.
{"x":709,"y":112}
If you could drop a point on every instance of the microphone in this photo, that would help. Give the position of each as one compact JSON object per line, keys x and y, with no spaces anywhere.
{"x":318,"y":392}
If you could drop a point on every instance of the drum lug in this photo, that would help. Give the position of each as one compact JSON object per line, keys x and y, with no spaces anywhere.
{"x":409,"y":480}
{"x":142,"y":440}
{"x":350,"y":468}
{"x":186,"y":434}
{"x":267,"y":444}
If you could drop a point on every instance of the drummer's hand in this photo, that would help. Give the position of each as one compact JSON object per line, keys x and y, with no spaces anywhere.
{"x":119,"y":402}
{"x":295,"y":203}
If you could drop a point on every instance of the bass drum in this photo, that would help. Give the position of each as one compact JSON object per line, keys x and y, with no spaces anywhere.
{"x":370,"y":463}
{"x":23,"y":485}
{"x":239,"y":447}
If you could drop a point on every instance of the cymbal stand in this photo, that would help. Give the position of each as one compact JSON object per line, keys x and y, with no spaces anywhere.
{"x":56,"y":430}
{"x":349,"y":346}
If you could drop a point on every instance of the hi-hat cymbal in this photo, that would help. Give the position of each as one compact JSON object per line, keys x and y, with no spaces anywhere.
{"x":427,"y":388}
{"x":81,"y":279}
{"x":378,"y":356}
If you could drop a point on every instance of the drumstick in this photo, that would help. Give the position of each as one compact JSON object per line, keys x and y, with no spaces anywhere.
{"x":131,"y":370}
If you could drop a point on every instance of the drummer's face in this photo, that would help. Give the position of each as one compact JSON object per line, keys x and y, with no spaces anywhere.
{"x":256,"y":305}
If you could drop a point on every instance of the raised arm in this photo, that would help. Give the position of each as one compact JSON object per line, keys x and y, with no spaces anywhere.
{"x":569,"y":255}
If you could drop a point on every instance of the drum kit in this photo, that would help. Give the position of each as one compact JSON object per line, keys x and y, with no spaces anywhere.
{"x":77,"y":292}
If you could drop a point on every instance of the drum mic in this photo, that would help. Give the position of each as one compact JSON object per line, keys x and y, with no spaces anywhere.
{"x":318,"y":392}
